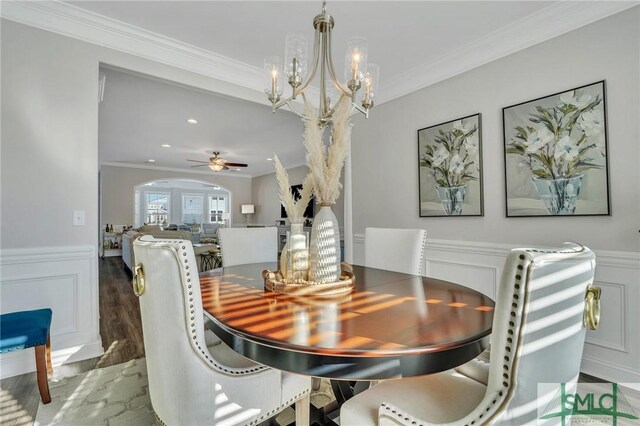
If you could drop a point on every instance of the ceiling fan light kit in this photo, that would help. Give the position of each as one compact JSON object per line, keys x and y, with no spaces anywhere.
{"x":361,"y":77}
{"x":216,"y":163}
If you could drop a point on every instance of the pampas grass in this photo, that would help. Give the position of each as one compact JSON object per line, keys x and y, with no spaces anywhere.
{"x":325,"y":164}
{"x":294,"y":208}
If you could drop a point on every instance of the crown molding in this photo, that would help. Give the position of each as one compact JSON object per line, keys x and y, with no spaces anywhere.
{"x":552,"y":21}
{"x":174,"y":169}
{"x":72,"y":21}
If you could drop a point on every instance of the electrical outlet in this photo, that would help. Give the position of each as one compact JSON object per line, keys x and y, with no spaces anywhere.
{"x":78,"y":218}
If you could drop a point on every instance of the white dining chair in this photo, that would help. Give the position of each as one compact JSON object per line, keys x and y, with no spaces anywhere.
{"x":248,"y":245}
{"x":189,"y":383}
{"x":398,"y":250}
{"x":538,"y":336}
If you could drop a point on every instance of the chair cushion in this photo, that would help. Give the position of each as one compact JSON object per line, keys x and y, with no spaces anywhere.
{"x":425,"y":397}
{"x":228,"y":357}
{"x":20,"y":330}
{"x":478,"y":368}
{"x":210,"y":339}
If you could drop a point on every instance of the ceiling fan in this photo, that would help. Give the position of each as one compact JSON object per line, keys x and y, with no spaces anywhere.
{"x":217,"y":163}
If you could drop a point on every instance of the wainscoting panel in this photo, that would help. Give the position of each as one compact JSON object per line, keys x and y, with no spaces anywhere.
{"x":64,"y":279}
{"x":612,"y":352}
{"x":611,"y":334}
{"x":480,"y":278}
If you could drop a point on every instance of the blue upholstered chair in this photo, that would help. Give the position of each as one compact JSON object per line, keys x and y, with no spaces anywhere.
{"x":26,"y":329}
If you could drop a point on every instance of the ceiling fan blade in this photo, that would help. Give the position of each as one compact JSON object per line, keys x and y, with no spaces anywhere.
{"x":198,"y":161}
{"x":235,"y":164}
{"x":200,"y":165}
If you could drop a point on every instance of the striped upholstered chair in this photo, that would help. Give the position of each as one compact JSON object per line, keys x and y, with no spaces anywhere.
{"x":189,"y":382}
{"x":538,"y":337}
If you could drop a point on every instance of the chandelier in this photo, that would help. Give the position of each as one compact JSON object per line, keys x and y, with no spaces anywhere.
{"x":361,"y":78}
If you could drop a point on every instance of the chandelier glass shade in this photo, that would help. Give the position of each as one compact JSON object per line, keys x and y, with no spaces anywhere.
{"x":361,"y":77}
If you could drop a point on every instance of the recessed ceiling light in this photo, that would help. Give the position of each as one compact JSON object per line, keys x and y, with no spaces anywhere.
{"x":192,"y":121}
{"x":165,"y":145}
{"x":269,"y":159}
{"x":238,"y":169}
{"x":151,"y":160}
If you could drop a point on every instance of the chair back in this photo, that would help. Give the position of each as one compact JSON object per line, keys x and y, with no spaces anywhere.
{"x":248,"y":245}
{"x":538,"y":332}
{"x":399,"y":250}
{"x":186,"y":384}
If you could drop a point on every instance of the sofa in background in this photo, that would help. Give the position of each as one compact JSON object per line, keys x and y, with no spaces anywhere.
{"x":210,"y":230}
{"x":155,"y":231}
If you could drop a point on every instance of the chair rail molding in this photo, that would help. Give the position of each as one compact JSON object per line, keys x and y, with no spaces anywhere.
{"x":612,"y":352}
{"x":64,"y":279}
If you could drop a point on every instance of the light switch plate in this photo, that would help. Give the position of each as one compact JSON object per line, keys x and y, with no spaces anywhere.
{"x":78,"y":218}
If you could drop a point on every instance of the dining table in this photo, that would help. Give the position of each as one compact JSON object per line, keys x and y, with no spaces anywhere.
{"x":390,"y":325}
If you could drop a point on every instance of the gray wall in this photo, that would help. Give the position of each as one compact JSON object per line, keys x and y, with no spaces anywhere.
{"x":49,"y":139}
{"x":267,"y":199}
{"x":49,"y":165}
{"x":118,"y":185}
{"x":385,"y":171}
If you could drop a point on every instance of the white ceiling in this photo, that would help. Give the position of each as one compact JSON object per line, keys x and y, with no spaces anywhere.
{"x":416,"y":43}
{"x":138,"y":114}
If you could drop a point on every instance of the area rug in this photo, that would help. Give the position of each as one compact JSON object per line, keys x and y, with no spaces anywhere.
{"x":119,"y":395}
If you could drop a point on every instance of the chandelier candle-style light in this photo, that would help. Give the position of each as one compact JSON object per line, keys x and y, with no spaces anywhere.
{"x":361,"y":78}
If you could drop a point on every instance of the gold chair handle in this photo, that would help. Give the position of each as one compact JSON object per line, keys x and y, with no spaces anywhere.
{"x":592,"y":307}
{"x":138,"y":280}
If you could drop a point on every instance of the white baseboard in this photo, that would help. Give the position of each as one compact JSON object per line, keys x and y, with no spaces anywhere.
{"x":611,"y":372}
{"x":64,"y":279}
{"x":611,"y":353}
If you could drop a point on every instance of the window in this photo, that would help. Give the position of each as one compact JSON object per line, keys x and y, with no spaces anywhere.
{"x":192,"y":209}
{"x":217,"y":206}
{"x":157,"y":208}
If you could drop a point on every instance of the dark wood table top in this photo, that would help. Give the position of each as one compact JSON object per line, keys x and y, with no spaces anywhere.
{"x":391,"y":325}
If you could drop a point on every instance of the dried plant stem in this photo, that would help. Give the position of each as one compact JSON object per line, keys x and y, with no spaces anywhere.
{"x":325,"y":164}
{"x":294,"y":208}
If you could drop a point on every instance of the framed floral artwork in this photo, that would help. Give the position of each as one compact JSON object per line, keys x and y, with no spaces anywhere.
{"x":556,"y":154}
{"x":450,"y":168}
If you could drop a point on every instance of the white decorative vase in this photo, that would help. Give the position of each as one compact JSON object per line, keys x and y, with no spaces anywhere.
{"x":324,"y":247}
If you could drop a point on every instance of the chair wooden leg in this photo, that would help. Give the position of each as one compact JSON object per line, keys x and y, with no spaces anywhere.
{"x":41,"y":372}
{"x":48,"y":353}
{"x":302,"y":410}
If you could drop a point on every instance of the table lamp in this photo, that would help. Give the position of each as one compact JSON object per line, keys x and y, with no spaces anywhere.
{"x":248,"y":209}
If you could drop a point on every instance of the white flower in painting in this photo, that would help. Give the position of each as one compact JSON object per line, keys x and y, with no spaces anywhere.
{"x":440,"y":156}
{"x":566,"y":149}
{"x":579,"y":102}
{"x":538,"y":140}
{"x":462,"y":126}
{"x":471,"y":145}
{"x":456,"y":166}
{"x":591,"y":122}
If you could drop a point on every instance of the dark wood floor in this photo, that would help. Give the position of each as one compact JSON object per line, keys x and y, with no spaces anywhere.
{"x":121,"y":332}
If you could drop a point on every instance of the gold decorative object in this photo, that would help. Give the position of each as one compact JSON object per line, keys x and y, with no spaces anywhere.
{"x":592,"y":307}
{"x":273,"y":281}
{"x":138,"y":280}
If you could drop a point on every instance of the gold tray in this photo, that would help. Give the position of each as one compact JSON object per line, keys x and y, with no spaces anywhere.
{"x":273,"y":282}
